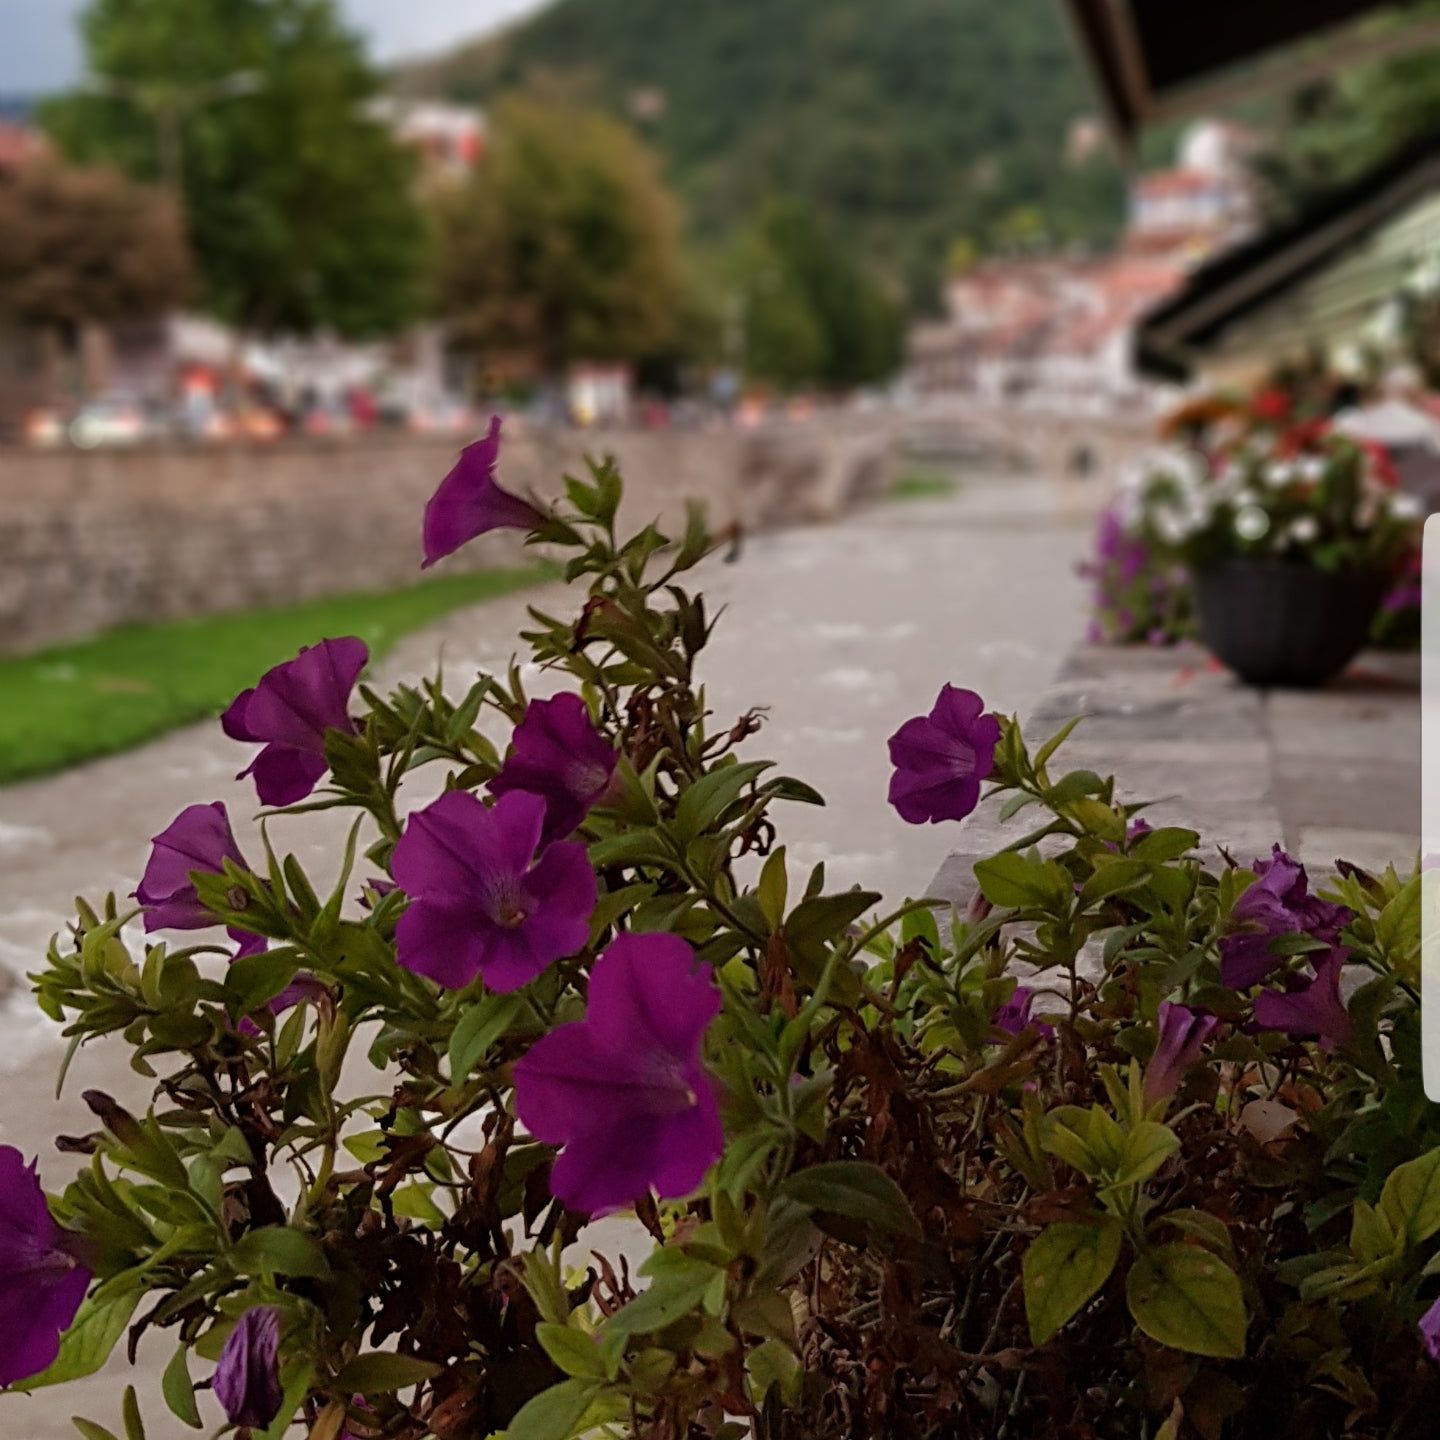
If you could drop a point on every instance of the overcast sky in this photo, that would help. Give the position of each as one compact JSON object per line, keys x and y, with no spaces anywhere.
{"x":39,"y":50}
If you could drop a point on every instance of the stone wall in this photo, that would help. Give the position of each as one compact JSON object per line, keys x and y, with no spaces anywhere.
{"x":90,"y":541}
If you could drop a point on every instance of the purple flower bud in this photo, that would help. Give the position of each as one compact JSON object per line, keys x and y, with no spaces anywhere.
{"x":290,"y":712}
{"x":1312,"y":1009}
{"x":557,"y":753}
{"x":470,"y":503}
{"x":1183,"y":1033}
{"x":199,"y":838}
{"x":1429,"y":1328}
{"x":1013,"y":1017}
{"x":1278,"y":903}
{"x":624,"y":1091}
{"x":41,"y":1282}
{"x":247,"y":1379}
{"x":940,"y":759}
{"x":482,"y":903}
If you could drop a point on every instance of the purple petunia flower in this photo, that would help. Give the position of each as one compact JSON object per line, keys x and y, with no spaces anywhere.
{"x":1013,"y":1017}
{"x":1429,"y":1327}
{"x":41,"y":1282}
{"x":1278,"y":903}
{"x":481,"y":903}
{"x":469,"y":502}
{"x":623,"y":1091}
{"x":941,"y":758}
{"x":247,"y":1379}
{"x":199,"y":838}
{"x":557,"y":753}
{"x":1312,"y":1009}
{"x":290,"y":711}
{"x":1183,"y":1033}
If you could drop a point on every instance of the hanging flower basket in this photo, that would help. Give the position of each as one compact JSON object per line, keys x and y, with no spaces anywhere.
{"x":1275,"y":622}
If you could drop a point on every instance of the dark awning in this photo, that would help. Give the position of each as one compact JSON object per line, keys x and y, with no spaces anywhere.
{"x":1246,"y":277}
{"x":1156,"y":59}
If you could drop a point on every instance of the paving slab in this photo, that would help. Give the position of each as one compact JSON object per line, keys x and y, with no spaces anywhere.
{"x":1329,"y":773}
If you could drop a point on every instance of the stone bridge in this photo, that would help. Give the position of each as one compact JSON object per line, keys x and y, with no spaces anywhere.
{"x":93,"y":540}
{"x":1045,"y":440}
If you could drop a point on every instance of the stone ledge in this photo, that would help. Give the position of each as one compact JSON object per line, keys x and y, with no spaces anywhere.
{"x":1328,"y":773}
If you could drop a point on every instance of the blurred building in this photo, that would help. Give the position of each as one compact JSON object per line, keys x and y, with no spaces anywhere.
{"x":20,"y":145}
{"x":1060,"y":329}
{"x":1204,"y":203}
{"x":449,"y":139}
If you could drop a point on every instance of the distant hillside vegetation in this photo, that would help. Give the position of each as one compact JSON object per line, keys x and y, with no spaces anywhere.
{"x":913,"y":121}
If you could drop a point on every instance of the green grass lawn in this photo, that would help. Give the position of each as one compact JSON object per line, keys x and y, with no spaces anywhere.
{"x":923,"y":483}
{"x":107,"y":694}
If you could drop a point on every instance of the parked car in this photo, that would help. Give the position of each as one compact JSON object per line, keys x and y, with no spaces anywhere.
{"x":114,"y":420}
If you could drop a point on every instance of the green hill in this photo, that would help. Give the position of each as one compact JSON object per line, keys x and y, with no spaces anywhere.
{"x":911,"y":122}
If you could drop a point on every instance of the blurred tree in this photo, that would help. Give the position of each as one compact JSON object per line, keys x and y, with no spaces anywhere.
{"x":813,"y":313}
{"x":962,"y":256}
{"x":563,"y":246}
{"x":86,"y":246}
{"x":298,"y":204}
{"x":1024,"y":229}
{"x":1331,"y":132}
{"x":903,"y":126}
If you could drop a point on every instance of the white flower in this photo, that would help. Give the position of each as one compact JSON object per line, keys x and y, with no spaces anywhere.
{"x":1251,"y":522}
{"x":1312,"y":467}
{"x":1174,"y":529}
{"x":1406,"y":507}
{"x":1279,"y":473}
{"x":1305,"y":529}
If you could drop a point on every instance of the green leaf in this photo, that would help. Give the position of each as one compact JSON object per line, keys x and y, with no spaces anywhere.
{"x":1063,"y":1270}
{"x":279,"y":1250}
{"x":130,"y":1413}
{"x":773,"y":888}
{"x":1056,"y":741}
{"x":1188,"y":1299}
{"x":822,"y":918}
{"x":856,"y":1189}
{"x":1065,"y":1135}
{"x":1211,"y":1231}
{"x":178,"y":1391}
{"x":1146,"y":1147}
{"x":1111,"y":879}
{"x":572,"y":1350}
{"x":1410,"y":1200}
{"x":670,"y":1297}
{"x":86,"y":1345}
{"x":711,"y":795}
{"x":1166,"y":843}
{"x":1371,"y":1237}
{"x":478,"y":1029}
{"x":90,"y":1430}
{"x":1019,"y":881}
{"x":769,"y":1365}
{"x":1074,"y":786}
{"x":556,"y":1413}
{"x":381,"y":1372}
{"x":255,"y":980}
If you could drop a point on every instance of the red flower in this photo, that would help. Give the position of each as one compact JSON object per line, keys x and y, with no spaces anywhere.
{"x":1272,"y":407}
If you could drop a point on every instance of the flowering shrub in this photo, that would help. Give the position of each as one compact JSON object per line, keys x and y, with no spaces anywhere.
{"x":1183,"y":1182}
{"x":1244,"y":480}
{"x":1313,"y":497}
{"x":1139,"y":593}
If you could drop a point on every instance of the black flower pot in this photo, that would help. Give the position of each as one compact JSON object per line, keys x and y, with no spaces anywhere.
{"x":1275,"y":623}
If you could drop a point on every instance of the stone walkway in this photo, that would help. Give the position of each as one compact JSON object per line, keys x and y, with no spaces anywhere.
{"x":1332,"y":773}
{"x":843,"y":631}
